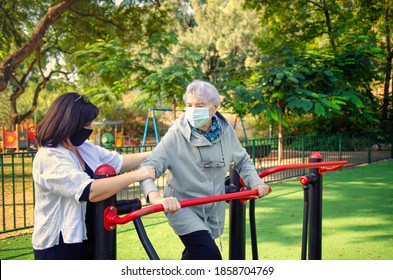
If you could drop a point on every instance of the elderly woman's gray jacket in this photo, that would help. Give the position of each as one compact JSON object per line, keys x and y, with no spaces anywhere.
{"x":198,"y":168}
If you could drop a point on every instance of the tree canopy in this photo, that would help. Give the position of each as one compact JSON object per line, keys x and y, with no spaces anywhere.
{"x":330,"y":60}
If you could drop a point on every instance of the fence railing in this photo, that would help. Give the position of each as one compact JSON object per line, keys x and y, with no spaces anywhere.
{"x":17,"y":187}
{"x":355,"y":148}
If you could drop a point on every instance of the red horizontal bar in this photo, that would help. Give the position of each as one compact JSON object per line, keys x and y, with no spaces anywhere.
{"x":336,"y":164}
{"x":111,"y":218}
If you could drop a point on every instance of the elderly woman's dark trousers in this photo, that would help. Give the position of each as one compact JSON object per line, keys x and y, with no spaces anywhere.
{"x":200,"y":246}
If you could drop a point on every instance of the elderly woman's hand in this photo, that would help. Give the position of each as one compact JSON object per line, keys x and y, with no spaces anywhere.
{"x":263,"y":190}
{"x":170,"y":204}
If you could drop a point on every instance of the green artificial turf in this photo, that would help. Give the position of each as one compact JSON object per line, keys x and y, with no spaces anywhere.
{"x":357,"y":222}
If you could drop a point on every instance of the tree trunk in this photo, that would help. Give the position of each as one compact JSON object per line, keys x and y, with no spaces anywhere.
{"x":386,"y":120}
{"x":330,"y":30}
{"x":13,"y":60}
{"x":174,"y":108}
{"x":280,"y":142}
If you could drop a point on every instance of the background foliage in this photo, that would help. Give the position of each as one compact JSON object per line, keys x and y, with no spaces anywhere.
{"x":303,"y":67}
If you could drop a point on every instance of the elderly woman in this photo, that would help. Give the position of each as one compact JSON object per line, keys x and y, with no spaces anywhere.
{"x":198,"y":150}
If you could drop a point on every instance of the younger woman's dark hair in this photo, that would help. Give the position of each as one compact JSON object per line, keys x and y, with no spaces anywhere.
{"x":67,"y":114}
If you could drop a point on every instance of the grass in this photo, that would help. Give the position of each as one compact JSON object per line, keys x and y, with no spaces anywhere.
{"x":357,"y":222}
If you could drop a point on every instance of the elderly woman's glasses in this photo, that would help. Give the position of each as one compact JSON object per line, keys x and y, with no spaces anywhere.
{"x":82,"y":97}
{"x":211,"y":163}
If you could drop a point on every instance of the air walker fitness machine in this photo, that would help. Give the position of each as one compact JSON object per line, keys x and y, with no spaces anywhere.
{"x":109,"y":215}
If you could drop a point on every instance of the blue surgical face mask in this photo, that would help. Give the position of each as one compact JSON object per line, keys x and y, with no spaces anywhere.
{"x":197,"y":117}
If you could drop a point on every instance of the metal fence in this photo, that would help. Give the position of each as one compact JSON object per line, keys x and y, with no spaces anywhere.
{"x":355,"y":148}
{"x":17,"y":187}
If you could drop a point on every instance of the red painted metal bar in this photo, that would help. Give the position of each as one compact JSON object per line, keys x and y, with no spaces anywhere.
{"x":111,"y":218}
{"x":325,"y":168}
{"x":322,"y":165}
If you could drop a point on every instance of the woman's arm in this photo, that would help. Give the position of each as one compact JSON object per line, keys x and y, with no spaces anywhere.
{"x":132,"y":161}
{"x":102,"y":189}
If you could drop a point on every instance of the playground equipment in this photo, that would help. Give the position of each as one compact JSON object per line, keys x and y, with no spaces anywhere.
{"x":112,"y":136}
{"x":108,"y":218}
{"x":16,"y":139}
{"x":31,"y":130}
{"x":243,"y":128}
{"x":151,"y":115}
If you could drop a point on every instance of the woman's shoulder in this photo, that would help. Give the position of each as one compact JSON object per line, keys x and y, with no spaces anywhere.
{"x":51,"y":155}
{"x":48,"y":151}
{"x":90,"y":146}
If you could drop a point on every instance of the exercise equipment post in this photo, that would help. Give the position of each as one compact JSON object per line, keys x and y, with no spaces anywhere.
{"x":315,"y":210}
{"x":103,"y":242}
{"x":237,"y":221}
{"x":312,"y":213}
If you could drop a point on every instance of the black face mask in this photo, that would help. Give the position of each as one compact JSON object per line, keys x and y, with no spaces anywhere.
{"x":80,"y":136}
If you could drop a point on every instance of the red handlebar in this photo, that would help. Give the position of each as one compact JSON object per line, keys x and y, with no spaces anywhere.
{"x":111,"y":218}
{"x":321,"y":165}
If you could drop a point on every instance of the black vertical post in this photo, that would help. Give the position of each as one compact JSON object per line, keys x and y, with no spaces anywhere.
{"x":306,"y":188}
{"x":315,"y":211}
{"x":237,"y":222}
{"x":103,"y":241}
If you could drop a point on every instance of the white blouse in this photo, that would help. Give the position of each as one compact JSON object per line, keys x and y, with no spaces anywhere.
{"x":59,"y":182}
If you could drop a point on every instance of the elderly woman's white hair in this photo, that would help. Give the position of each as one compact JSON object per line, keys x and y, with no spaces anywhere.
{"x":203,"y":90}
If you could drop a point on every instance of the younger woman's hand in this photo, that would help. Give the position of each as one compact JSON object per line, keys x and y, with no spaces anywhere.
{"x":145,"y":172}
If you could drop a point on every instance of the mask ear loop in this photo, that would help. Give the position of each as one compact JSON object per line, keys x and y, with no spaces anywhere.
{"x":216,"y":110}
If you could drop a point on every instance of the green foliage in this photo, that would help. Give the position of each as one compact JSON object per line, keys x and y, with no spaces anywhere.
{"x":109,"y":64}
{"x":232,"y":82}
{"x":297,"y":84}
{"x":18,"y":18}
{"x":350,"y":38}
{"x":165,"y":73}
{"x":224,"y":34}
{"x":117,"y":70}
{"x":108,"y":59}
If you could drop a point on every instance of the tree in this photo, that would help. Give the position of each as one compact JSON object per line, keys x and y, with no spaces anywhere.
{"x":168,"y":68}
{"x":349,"y":31}
{"x":296,"y":84}
{"x":379,"y":14}
{"x":223,"y":33}
{"x":152,"y":69}
{"x":13,"y":60}
{"x":45,"y":51}
{"x":10,"y":63}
